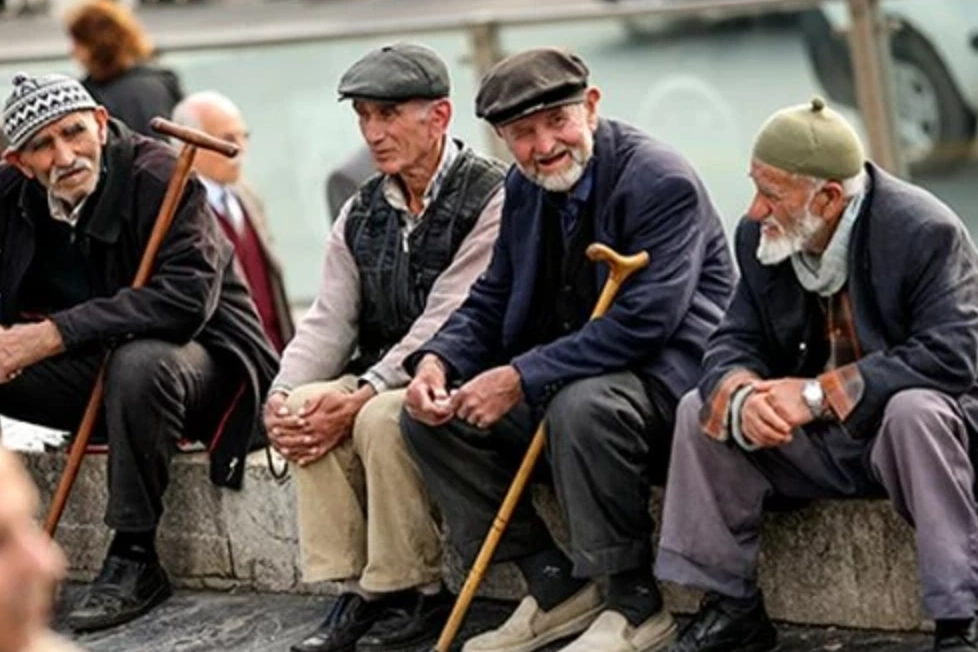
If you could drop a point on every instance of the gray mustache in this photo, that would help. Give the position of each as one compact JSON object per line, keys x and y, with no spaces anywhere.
{"x":58,"y":173}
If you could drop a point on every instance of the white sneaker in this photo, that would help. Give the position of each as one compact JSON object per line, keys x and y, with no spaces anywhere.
{"x":611,"y":632}
{"x":530,"y":628}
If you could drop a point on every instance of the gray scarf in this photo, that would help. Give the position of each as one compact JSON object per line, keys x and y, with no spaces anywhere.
{"x":825,"y":274}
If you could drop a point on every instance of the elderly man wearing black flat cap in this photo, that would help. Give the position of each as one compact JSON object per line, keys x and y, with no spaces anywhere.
{"x":521,"y":348}
{"x":401,"y":256}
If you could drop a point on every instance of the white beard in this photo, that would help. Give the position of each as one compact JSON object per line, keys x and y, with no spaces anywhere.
{"x":565,"y":179}
{"x":774,"y":250}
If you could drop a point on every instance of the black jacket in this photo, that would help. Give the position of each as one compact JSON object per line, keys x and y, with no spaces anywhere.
{"x":193,"y":293}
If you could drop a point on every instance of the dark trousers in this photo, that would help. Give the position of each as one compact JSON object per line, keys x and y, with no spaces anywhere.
{"x":152,"y":390}
{"x":608,"y":440}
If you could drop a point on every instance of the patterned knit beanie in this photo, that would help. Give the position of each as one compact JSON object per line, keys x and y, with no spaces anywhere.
{"x":38,"y":101}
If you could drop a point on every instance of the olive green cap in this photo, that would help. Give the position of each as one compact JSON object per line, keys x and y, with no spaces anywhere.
{"x":811,"y":140}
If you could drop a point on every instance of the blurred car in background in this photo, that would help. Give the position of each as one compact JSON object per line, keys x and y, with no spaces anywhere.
{"x":934,"y":44}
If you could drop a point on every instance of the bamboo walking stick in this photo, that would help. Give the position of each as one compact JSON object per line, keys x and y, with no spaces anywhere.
{"x":621,"y":267}
{"x":192,"y":140}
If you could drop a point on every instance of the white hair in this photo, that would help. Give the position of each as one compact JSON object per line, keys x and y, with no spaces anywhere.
{"x":187,"y":112}
{"x":850,"y":187}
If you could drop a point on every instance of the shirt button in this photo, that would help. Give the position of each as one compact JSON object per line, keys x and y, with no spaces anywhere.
{"x":567,"y":326}
{"x":568,"y":289}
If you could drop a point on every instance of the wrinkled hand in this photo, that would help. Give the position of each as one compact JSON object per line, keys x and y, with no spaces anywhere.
{"x":485,"y":399}
{"x":26,"y":344}
{"x":785,"y":397}
{"x":276,"y":419}
{"x":761,"y":424}
{"x":320,"y":425}
{"x":427,"y":399}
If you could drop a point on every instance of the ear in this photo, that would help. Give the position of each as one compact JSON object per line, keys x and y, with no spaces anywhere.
{"x":591,"y":98}
{"x":830,"y":201}
{"x":102,"y":120}
{"x":443,"y":113}
{"x":14,"y":158}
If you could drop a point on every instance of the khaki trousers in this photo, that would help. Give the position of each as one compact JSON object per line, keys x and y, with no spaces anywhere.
{"x":363,"y":509}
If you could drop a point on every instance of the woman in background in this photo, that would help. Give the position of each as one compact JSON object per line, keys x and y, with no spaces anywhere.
{"x":115,"y":51}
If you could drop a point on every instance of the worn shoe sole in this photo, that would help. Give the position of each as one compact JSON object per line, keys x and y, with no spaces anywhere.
{"x":570,"y":628}
{"x":82,"y":624}
{"x":667,"y":636}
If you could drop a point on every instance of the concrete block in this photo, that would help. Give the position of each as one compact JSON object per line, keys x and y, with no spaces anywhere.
{"x":845,"y":563}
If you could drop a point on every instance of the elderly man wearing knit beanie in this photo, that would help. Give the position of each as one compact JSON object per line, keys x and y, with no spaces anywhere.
{"x":846,"y":366}
{"x":79,"y":196}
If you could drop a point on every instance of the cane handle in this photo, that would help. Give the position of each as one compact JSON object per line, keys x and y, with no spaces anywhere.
{"x":193,"y":137}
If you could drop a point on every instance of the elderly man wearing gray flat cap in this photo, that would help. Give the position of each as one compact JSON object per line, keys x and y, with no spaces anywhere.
{"x":401,"y":256}
{"x":79,"y":197}
{"x":846,"y":366}
{"x":521,"y":348}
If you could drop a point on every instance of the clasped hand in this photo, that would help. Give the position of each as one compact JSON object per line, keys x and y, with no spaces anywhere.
{"x":305,"y":435}
{"x":773,"y":411}
{"x":481,"y":402}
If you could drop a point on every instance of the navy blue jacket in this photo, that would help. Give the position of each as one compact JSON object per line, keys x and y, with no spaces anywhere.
{"x":913,"y":284}
{"x":647,"y":197}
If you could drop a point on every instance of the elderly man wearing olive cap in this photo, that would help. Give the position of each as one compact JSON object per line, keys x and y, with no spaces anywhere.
{"x":847,"y":365}
{"x":401,"y":256}
{"x":522,"y":348}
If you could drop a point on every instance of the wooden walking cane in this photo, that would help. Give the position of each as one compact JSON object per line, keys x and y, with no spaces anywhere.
{"x":192,"y":140}
{"x":621,"y":267}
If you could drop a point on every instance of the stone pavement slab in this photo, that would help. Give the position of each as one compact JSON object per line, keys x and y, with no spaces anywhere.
{"x":255,"y":622}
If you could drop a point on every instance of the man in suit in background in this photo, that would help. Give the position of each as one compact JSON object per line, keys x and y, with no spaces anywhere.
{"x":239,"y":211}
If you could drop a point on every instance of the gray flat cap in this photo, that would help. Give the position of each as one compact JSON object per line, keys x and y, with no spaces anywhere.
{"x":396,"y":73}
{"x":531,"y":81}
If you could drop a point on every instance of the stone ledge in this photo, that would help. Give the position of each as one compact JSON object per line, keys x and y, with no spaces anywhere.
{"x":845,"y":563}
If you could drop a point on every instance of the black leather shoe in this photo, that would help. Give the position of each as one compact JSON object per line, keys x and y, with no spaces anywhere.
{"x":727,"y":625}
{"x":955,"y":636}
{"x":349,"y":619}
{"x":416,"y":622}
{"x":123,"y":590}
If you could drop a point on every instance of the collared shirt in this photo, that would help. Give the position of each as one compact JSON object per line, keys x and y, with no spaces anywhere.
{"x":223,"y":201}
{"x":394,"y":194}
{"x":394,"y":191}
{"x":59,"y":211}
{"x":570,"y":205}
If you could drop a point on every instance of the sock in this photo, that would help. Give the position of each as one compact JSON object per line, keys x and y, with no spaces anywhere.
{"x":952,"y":626}
{"x":739,"y":606}
{"x":139,"y":546}
{"x":432,"y":588}
{"x":548,"y":574}
{"x":353,"y":586}
{"x":634,"y":594}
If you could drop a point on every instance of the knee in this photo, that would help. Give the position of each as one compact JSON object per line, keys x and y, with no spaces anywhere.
{"x":913,"y":414}
{"x":419,"y":437}
{"x":377,"y":429}
{"x":581,"y":408}
{"x":141,"y":369}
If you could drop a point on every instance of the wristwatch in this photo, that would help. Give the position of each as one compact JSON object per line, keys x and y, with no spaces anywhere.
{"x":814,"y":397}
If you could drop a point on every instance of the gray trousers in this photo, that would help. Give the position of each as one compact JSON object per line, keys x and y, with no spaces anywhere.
{"x":919,"y":458}
{"x":607,"y":441}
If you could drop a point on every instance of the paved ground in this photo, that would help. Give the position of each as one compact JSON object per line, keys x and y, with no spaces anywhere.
{"x":203,"y":622}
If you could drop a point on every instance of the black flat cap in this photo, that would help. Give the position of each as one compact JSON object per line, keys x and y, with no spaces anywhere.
{"x":396,"y":73}
{"x":529,"y":82}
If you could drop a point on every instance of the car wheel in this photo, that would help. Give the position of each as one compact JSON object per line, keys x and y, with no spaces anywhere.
{"x":935,"y":126}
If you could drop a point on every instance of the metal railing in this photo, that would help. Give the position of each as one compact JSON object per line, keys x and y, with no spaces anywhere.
{"x":868,"y":42}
